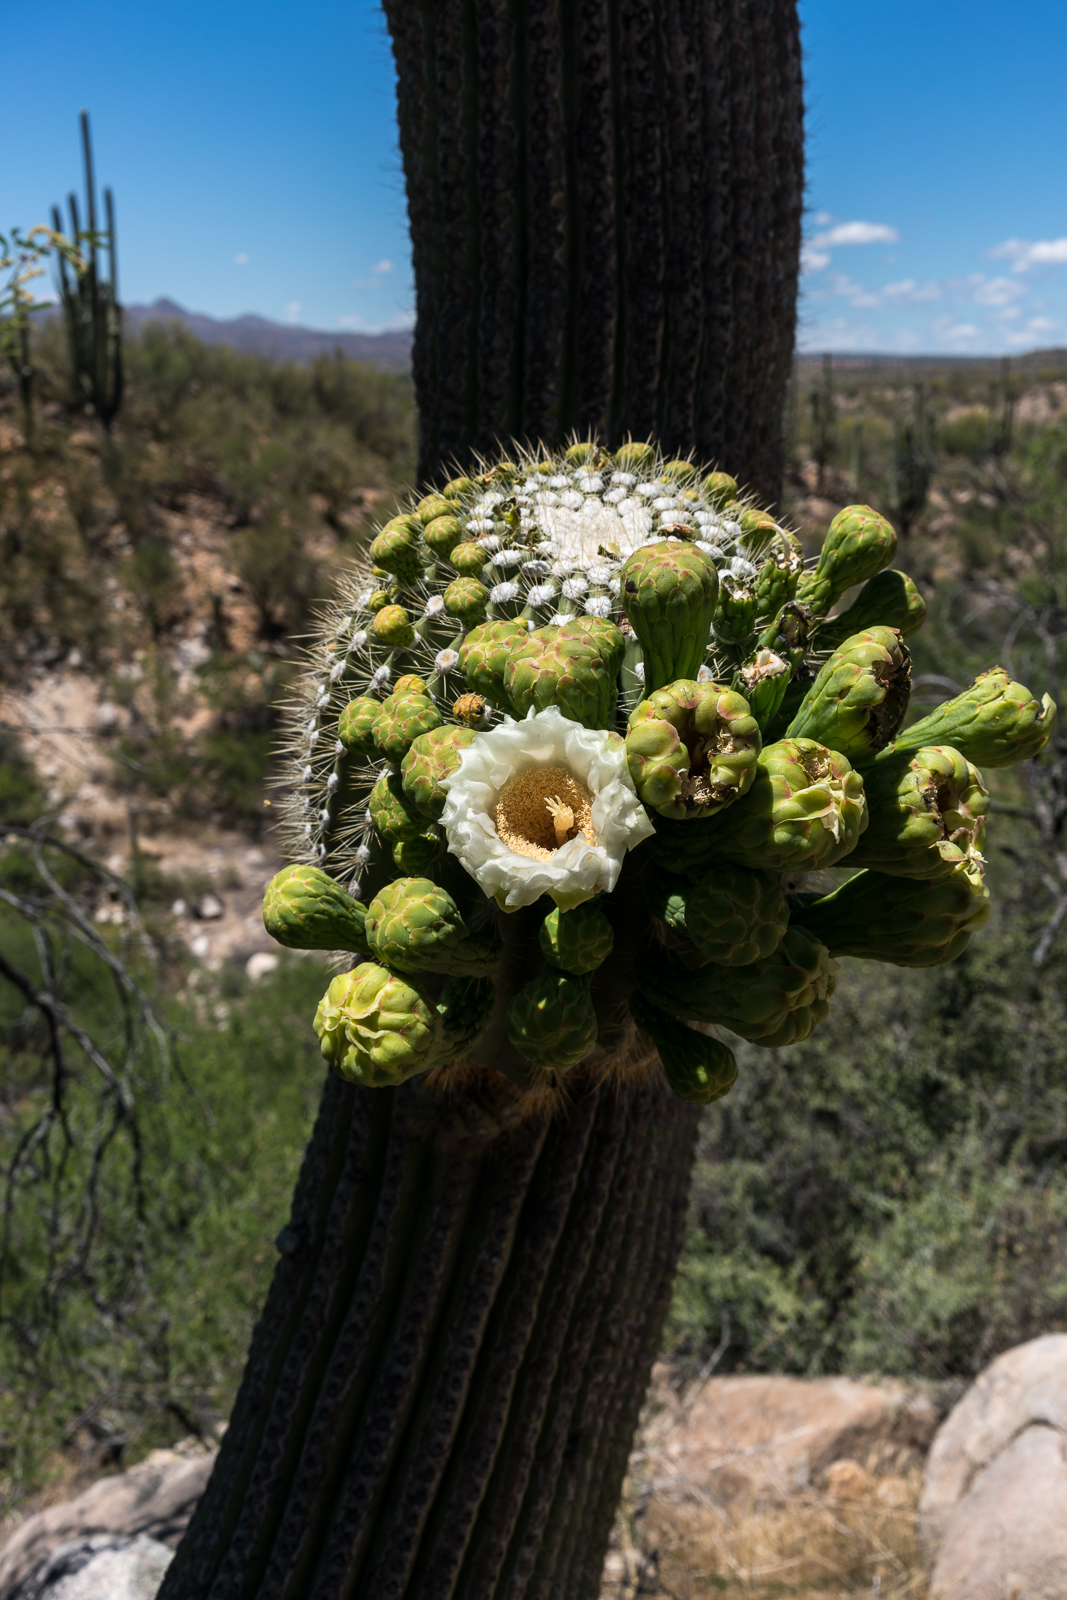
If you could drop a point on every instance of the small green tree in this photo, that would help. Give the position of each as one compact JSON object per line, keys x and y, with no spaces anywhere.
{"x":22,"y":258}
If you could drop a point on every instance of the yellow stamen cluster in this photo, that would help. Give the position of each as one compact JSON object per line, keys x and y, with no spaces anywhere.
{"x":541,"y":809}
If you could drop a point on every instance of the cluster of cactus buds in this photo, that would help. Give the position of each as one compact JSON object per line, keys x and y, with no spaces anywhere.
{"x":571,"y":743}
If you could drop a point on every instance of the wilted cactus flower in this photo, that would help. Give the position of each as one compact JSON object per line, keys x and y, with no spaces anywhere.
{"x":543,"y":806}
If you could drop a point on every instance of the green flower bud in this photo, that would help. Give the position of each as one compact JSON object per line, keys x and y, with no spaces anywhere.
{"x":763,"y":681}
{"x":305,"y":909}
{"x":634,"y":456}
{"x":466,"y":600}
{"x":908,"y":922}
{"x":773,"y":1002}
{"x":927,"y":813}
{"x":469,"y":559}
{"x":415,"y":855}
{"x":720,"y":489}
{"x":574,"y":667}
{"x":401,"y":719}
{"x":409,"y":683}
{"x":484,"y":656}
{"x":577,"y":941}
{"x":805,"y":809}
{"x":582,"y":454}
{"x":392,"y":628}
{"x":411,"y":842}
{"x":733,"y":916}
{"x":994,"y":723}
{"x":552,"y":1021}
{"x":691,"y":748}
{"x":779,"y":574}
{"x":456,"y":488}
{"x":442,"y":535}
{"x":378,"y":1029}
{"x":678,"y":472}
{"x":858,"y":701}
{"x":414,"y":926}
{"x":735,"y":608}
{"x":379,"y":599}
{"x":432,"y":757}
{"x":889,"y":599}
{"x":465,"y":1009}
{"x":858,"y":544}
{"x":355,"y":725}
{"x":699,"y":1069}
{"x":668,"y":593}
{"x":759,"y":527}
{"x":398,"y":548}
{"x":430,"y":508}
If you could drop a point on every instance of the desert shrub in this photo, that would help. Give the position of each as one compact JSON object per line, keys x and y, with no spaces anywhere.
{"x":890,"y":1194}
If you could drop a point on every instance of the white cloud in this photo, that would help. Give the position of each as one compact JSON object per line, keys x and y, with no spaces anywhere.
{"x":1025,"y":253}
{"x":823,"y":217}
{"x":384,"y":265}
{"x":293,"y":310}
{"x":351,"y":320}
{"x":997,"y":292}
{"x":908,"y":290}
{"x":811,"y":260}
{"x":242,"y":259}
{"x":857,"y":233}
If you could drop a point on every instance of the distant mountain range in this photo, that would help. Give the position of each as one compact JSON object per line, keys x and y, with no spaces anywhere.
{"x":279,"y":340}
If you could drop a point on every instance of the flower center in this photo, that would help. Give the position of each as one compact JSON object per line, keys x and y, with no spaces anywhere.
{"x":540,"y":809}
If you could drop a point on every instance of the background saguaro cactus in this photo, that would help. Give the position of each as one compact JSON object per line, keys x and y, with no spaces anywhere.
{"x":442,"y":1391}
{"x":90,"y":298}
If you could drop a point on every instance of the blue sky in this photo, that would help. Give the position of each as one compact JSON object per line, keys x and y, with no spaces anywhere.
{"x":252,"y":151}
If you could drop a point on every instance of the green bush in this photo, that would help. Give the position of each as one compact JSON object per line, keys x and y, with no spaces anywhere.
{"x":890,"y":1194}
{"x":140,"y":1222}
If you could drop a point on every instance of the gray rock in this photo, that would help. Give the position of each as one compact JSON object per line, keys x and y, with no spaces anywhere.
{"x":155,"y":1499}
{"x":104,"y":1566}
{"x":994,"y":1505}
{"x":209,"y":908}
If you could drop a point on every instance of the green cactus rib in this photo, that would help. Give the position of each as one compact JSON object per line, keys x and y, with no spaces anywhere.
{"x":921,"y":922}
{"x":669,"y":593}
{"x":994,"y":723}
{"x":858,"y":544}
{"x":860,"y":697}
{"x":699,"y":1069}
{"x":926,"y":811}
{"x":691,"y":748}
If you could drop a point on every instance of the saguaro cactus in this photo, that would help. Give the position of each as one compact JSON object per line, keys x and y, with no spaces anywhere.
{"x":442,"y":1391}
{"x":90,"y":299}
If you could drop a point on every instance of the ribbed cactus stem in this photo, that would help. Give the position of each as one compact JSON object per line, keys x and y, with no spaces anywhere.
{"x":605,"y":220}
{"x":440,"y":1392}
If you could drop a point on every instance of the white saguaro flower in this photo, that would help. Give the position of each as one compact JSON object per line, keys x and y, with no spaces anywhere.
{"x":543,"y":806}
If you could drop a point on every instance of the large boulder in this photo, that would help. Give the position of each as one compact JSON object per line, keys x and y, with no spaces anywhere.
{"x":154,"y":1500}
{"x":994,"y":1505}
{"x":105,"y":1566}
{"x":753,"y":1442}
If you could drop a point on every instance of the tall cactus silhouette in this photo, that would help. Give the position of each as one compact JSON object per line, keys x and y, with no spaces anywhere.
{"x":90,"y":299}
{"x":442,"y":1391}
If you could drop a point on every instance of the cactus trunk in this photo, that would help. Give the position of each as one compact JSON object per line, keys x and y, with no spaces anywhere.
{"x":442,"y":1392}
{"x":605,"y":205}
